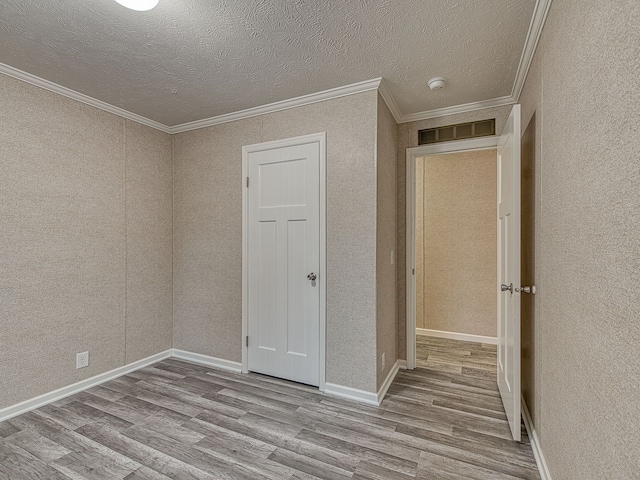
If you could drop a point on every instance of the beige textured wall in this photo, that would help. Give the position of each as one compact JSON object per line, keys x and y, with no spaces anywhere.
{"x":458,"y":238}
{"x":207,"y":253}
{"x":63,"y":229}
{"x":386,"y":308}
{"x":407,"y":138}
{"x":587,"y":394}
{"x":531,"y":328}
{"x":149,"y":202}
{"x":208,"y":232}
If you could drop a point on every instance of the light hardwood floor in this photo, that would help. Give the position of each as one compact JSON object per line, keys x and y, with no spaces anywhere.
{"x":444,"y":420}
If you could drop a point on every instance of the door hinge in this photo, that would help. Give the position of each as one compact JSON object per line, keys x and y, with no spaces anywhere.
{"x":413,"y":271}
{"x":247,"y":182}
{"x":247,"y":340}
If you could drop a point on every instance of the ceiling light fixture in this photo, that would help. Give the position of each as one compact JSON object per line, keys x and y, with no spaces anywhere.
{"x":436,"y":83}
{"x":139,"y":5}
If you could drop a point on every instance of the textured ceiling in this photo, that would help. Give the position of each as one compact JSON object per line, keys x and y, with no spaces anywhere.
{"x":192,"y":59}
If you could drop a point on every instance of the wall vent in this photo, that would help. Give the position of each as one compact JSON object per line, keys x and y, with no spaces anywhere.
{"x":460,"y":131}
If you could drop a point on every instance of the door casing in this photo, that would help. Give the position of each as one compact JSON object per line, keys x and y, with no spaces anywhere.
{"x":320,"y":139}
{"x":482,"y":143}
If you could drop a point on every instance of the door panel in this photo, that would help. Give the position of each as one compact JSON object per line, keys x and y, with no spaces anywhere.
{"x":296,"y":246}
{"x":266,"y":276}
{"x":509,"y":270}
{"x":283,"y":248}
{"x":274,"y":176}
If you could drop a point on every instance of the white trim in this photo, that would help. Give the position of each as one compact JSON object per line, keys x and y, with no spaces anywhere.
{"x":80,"y":97}
{"x":481,"y":143}
{"x":331,"y":94}
{"x":410,"y":240}
{"x":323,"y":261}
{"x":206,"y":360}
{"x":388,"y":381}
{"x":538,"y":20}
{"x":457,"y":109}
{"x":535,"y":443}
{"x":321,"y":139}
{"x":535,"y":29}
{"x":363,"y":396}
{"x":245,"y":259}
{"x":386,"y":95}
{"x":402,"y":364}
{"x":39,"y":401}
{"x":465,"y":337}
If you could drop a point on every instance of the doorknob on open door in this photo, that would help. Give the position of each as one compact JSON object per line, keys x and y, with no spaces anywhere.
{"x":531,"y":290}
{"x":311,"y":276}
{"x":507,"y":288}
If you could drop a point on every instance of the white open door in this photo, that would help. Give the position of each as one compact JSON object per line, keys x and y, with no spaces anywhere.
{"x":509,"y":270}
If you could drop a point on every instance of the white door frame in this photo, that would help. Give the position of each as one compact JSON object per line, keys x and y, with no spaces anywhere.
{"x":321,"y":139}
{"x":482,"y":143}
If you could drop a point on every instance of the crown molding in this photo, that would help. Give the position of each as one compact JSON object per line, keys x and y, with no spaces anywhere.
{"x":540,"y":12}
{"x":538,"y":19}
{"x":330,"y":94}
{"x":456,"y":109}
{"x":385,"y":93}
{"x":80,"y":97}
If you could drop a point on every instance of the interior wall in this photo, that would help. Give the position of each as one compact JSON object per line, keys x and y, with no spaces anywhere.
{"x":208,"y":232}
{"x":84,"y":195}
{"x":386,"y":296}
{"x":531,"y":307}
{"x":457,"y":235}
{"x":149,"y":241}
{"x":587,"y":228}
{"x":408,"y":138}
{"x":207,"y":253}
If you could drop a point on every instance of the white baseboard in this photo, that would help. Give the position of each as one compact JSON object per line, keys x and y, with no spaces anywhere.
{"x":465,"y":337}
{"x":388,"y":381}
{"x":351,"y":393}
{"x":206,"y":360}
{"x":330,"y":388}
{"x":39,"y":401}
{"x":402,"y":364}
{"x":535,"y":443}
{"x":363,"y":396}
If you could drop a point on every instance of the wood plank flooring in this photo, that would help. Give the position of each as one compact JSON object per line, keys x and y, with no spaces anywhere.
{"x":444,"y":420}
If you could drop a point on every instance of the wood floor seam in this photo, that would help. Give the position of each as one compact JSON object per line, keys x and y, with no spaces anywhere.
{"x":181,"y":420}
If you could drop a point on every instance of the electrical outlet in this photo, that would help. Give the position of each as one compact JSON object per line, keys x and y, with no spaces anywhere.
{"x":82,"y":360}
{"x":384,"y":360}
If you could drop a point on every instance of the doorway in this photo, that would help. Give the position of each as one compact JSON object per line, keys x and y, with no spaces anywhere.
{"x":443,"y":290}
{"x":284,"y":259}
{"x":509,"y":289}
{"x":456,"y":246}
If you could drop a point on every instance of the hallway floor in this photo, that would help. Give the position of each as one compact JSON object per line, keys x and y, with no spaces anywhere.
{"x":444,"y":420}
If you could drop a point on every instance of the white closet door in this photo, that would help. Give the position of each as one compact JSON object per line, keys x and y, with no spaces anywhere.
{"x":283,"y":262}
